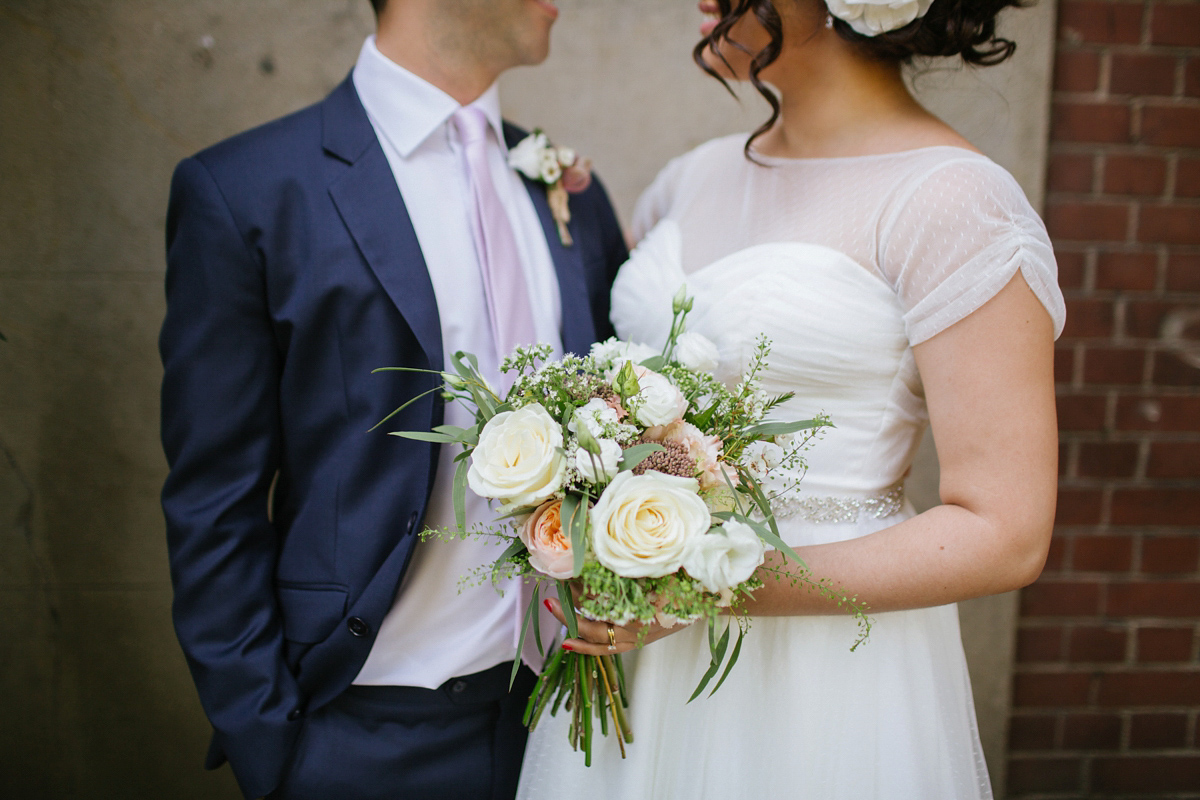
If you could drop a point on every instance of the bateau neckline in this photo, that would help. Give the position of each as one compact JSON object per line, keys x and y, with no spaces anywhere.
{"x":786,"y":161}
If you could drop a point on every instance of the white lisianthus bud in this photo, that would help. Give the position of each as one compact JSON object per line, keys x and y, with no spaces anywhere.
{"x":600,"y":468}
{"x":723,"y":558}
{"x":680,"y":301}
{"x":567,"y":156}
{"x":696,"y":352}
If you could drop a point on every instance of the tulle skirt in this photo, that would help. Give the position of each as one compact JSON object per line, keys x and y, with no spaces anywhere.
{"x":800,"y":716}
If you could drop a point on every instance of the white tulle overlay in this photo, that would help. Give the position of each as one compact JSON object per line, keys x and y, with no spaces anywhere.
{"x":844,"y":264}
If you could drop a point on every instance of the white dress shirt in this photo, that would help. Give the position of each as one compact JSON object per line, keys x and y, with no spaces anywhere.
{"x":434,"y":631}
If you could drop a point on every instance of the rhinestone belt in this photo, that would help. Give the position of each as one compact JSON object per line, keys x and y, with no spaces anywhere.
{"x":840,"y":509}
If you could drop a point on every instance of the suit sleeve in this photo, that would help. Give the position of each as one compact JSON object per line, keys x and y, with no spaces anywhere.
{"x":221,"y":434}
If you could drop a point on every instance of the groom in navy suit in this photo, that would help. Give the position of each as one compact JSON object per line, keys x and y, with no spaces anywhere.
{"x":332,"y":651}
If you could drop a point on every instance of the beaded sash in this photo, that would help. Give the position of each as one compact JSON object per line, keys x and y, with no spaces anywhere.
{"x":840,"y":509}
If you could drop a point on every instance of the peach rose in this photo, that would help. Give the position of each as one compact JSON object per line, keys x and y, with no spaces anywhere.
{"x":549,"y":545}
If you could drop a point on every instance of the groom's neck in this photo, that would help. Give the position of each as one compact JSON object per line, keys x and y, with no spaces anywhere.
{"x":435,"y":49}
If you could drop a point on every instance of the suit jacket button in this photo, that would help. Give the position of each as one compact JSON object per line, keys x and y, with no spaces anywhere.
{"x":358,"y":626}
{"x":458,"y":687}
{"x":295,"y":714}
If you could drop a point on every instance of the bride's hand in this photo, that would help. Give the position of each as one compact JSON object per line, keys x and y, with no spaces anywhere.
{"x":594,"y":639}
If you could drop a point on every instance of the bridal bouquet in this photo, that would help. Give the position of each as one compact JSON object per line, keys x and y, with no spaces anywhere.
{"x":630,"y":482}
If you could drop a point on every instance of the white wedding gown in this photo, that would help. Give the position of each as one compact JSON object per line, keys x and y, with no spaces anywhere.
{"x":845,"y":264}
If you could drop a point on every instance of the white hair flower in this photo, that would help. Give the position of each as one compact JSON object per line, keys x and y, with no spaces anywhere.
{"x":873,"y":17}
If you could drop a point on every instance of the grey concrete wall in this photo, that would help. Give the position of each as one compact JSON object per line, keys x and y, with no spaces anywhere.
{"x":98,"y":100}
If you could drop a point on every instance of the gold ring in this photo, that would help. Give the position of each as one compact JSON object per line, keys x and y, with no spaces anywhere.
{"x":612,"y":638}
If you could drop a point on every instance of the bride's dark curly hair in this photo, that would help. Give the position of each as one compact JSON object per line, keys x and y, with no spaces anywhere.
{"x":965,"y":28}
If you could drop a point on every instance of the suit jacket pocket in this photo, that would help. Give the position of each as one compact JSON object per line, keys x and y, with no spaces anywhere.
{"x":310,"y":612}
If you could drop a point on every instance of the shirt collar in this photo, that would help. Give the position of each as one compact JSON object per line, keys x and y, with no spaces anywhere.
{"x":406,"y":108}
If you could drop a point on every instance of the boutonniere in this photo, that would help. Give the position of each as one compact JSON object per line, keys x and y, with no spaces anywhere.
{"x":561,"y":170}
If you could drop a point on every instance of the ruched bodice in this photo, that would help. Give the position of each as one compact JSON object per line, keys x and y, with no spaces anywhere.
{"x":837,"y":340}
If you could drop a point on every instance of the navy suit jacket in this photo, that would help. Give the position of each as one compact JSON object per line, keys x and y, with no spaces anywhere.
{"x":293,"y":272}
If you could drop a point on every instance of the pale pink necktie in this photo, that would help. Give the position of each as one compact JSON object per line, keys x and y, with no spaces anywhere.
{"x":507,"y":300}
{"x":499,"y":259}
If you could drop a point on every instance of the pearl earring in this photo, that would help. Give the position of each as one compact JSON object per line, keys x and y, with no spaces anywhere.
{"x":829,"y":21}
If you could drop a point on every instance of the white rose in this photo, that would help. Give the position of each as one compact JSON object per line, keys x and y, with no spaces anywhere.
{"x":724,"y":558}
{"x":661,"y":402}
{"x":873,"y":17}
{"x":526,"y":157}
{"x":599,"y":468}
{"x":696,"y":352}
{"x":519,"y":458}
{"x":595,"y":416}
{"x":550,"y":170}
{"x":642,"y":524}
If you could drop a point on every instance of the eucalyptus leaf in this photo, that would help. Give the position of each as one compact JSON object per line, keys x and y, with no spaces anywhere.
{"x":771,"y":538}
{"x":515,"y":547}
{"x":655,"y":363}
{"x":460,"y":494}
{"x":783,"y":428}
{"x":737,"y":651}
{"x":717,"y":648}
{"x":576,"y":518}
{"x":568,"y":606}
{"x":529,"y":615}
{"x":425,"y":436}
{"x":406,"y":405}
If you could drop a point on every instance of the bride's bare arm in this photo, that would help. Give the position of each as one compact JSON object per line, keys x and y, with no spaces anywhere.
{"x":989,"y":386}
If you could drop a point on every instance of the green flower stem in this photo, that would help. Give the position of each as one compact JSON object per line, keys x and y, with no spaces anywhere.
{"x":612,"y":705}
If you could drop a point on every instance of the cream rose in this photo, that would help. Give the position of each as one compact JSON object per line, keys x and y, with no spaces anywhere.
{"x":600,"y":468}
{"x":724,"y":558}
{"x":519,"y":459}
{"x":873,"y":17}
{"x":642,"y":524}
{"x":549,"y":545}
{"x":660,"y":402}
{"x":696,"y":352}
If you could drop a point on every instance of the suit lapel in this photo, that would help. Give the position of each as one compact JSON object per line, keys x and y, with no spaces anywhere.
{"x":578,"y":328}
{"x":369,"y":202}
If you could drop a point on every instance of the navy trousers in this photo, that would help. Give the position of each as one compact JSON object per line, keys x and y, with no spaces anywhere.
{"x":461,"y":741}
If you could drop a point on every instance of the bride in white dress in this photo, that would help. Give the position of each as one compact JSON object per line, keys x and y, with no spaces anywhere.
{"x":903,"y":280}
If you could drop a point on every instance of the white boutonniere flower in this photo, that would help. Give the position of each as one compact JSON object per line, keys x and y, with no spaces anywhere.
{"x":873,"y":17}
{"x":561,"y":170}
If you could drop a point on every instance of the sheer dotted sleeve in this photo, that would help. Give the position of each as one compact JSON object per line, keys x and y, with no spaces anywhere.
{"x":956,"y":237}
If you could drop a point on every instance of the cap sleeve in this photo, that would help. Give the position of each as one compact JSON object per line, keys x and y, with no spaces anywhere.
{"x":956,"y":238}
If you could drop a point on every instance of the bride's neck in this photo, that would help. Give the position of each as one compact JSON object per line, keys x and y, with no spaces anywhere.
{"x":835,"y":102}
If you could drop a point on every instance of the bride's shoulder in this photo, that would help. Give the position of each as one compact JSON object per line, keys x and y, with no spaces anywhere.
{"x":945,"y":178}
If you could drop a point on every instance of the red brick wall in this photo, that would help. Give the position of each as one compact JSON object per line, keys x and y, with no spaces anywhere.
{"x":1107,"y":686}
